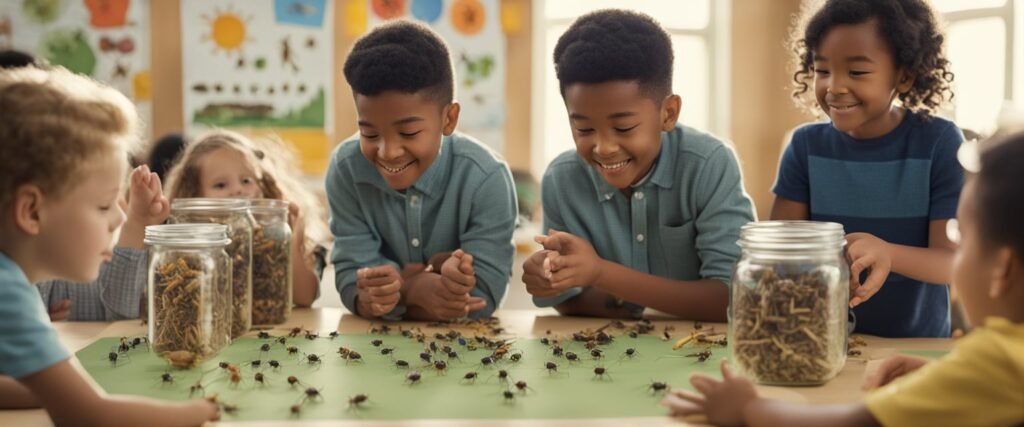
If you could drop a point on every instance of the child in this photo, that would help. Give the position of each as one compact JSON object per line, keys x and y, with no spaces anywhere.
{"x":647,"y":211}
{"x":408,"y":191}
{"x":981,"y":382}
{"x":64,"y":142}
{"x":225,"y":164}
{"x":887,"y":171}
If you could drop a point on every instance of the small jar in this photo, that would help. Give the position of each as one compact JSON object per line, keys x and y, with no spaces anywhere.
{"x":189,"y":288}
{"x":234,"y":213}
{"x":789,"y":299}
{"x":271,"y":262}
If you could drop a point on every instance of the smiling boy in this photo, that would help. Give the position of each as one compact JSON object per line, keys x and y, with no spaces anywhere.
{"x":645,"y":212}
{"x":422,"y":216}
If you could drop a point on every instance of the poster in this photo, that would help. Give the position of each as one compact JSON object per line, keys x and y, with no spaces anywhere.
{"x":104,"y":39}
{"x":473,"y":31}
{"x":260,"y":67}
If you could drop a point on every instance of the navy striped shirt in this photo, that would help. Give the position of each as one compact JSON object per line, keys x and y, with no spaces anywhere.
{"x":891,"y":187}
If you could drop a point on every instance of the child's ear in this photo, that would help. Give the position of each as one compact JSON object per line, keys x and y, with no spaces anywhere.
{"x":670,"y":112}
{"x":1005,"y":267}
{"x":904,"y":81}
{"x":28,"y":203}
{"x":450,"y":117}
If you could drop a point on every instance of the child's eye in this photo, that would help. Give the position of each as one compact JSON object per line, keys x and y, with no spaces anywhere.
{"x":247,"y":181}
{"x":368,"y":136}
{"x":587,"y":130}
{"x":219,"y":185}
{"x":623,"y":130}
{"x":858,"y":73}
{"x":409,"y":134}
{"x":821,"y":72}
{"x":105,"y":208}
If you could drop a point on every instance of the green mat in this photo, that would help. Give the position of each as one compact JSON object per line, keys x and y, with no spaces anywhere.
{"x":928,"y":354}
{"x":573,"y":392}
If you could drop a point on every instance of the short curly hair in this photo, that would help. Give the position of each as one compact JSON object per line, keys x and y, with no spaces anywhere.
{"x":54,"y":124}
{"x":402,"y":56}
{"x":614,"y":44}
{"x":908,"y":26}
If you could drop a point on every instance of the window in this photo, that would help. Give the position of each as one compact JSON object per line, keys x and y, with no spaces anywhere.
{"x":699,"y":32}
{"x":984,"y":43}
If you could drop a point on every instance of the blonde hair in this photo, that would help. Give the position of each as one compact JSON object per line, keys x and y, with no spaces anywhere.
{"x":272,"y":161}
{"x":54,"y":122}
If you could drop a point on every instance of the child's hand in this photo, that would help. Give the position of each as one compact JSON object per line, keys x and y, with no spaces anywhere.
{"x":146,"y":202}
{"x":721,"y":401}
{"x":457,"y":273}
{"x":203,"y":409}
{"x":379,"y":289}
{"x":867,"y":252}
{"x":293,"y":213}
{"x":61,"y":311}
{"x":537,"y":283}
{"x":892,"y":368}
{"x":574,"y":264}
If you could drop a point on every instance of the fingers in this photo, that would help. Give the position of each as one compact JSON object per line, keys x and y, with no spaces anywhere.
{"x":679,"y":407}
{"x":476,"y":304}
{"x":726,"y":372}
{"x":377,"y":271}
{"x":61,"y":311}
{"x":689,"y":396}
{"x":704,"y":384}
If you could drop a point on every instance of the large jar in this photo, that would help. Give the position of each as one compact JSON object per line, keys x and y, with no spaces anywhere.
{"x":271,"y":262}
{"x":788,"y":307}
{"x":189,"y":288}
{"x":234,"y":213}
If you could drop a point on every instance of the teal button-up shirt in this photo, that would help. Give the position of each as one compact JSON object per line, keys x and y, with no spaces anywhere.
{"x":681,"y":223}
{"x":465,"y":199}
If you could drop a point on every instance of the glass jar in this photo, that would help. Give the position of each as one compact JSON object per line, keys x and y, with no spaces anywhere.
{"x":788,"y":305}
{"x":271,"y":262}
{"x":189,"y":288}
{"x":234,"y":213}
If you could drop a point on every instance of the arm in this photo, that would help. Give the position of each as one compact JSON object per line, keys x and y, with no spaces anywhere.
{"x":15,"y":395}
{"x":784,"y":209}
{"x":70,"y":399}
{"x":704,"y":300}
{"x":931,"y":264}
{"x":767,"y":412}
{"x":305,"y":282}
{"x":593,"y":302}
{"x":116,"y":294}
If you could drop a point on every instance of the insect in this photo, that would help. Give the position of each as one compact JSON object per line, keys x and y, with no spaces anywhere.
{"x":167,"y":378}
{"x":295,"y":332}
{"x":357,"y":400}
{"x":453,"y":355}
{"x":376,"y":343}
{"x":282,"y":340}
{"x":263,"y":335}
{"x":344,"y":352}
{"x":314,"y":358}
{"x":601,"y":372}
{"x":264,"y":348}
{"x":486,"y":360}
{"x":333,"y":335}
{"x":401,"y":364}
{"x":440,"y":366}
{"x":551,"y":367}
{"x":256,"y":363}
{"x":633,"y":334}
{"x":515,"y":357}
{"x":292,"y":350}
{"x":112,"y":357}
{"x":196,"y":388}
{"x":557,"y":351}
{"x":387,"y":351}
{"x":425,"y":357}
{"x":545,"y":341}
{"x":470,"y":376}
{"x":296,"y":409}
{"x":508,"y":395}
{"x":572,"y":357}
{"x":701,"y":355}
{"x":310,"y":335}
{"x":412,"y":377}
{"x":596,"y":353}
{"x":521,"y":386}
{"x":274,"y":364}
{"x":503,"y":375}
{"x":292,"y":380}
{"x":233,"y":374}
{"x":656,"y":386}
{"x":354,"y":356}
{"x":259,"y":378}
{"x":853,"y":353}
{"x":312,"y":393}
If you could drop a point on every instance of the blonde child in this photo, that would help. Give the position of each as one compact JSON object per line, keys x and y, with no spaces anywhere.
{"x":64,"y":143}
{"x":980,"y":383}
{"x":226,"y":164}
{"x":883,"y":165}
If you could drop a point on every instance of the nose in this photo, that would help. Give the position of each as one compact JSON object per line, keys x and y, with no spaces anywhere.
{"x":388,"y":151}
{"x":606,"y":147}
{"x":836,"y":86}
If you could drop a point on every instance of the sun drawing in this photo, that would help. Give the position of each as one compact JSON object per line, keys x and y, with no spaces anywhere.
{"x":227,"y":30}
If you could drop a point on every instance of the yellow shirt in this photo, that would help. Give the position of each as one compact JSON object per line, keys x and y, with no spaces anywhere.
{"x":979,"y":383}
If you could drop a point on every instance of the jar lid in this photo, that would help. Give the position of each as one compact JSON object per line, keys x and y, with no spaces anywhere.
{"x":202,"y":204}
{"x":792,"y":235}
{"x":268,"y":205}
{"x":187,"y":235}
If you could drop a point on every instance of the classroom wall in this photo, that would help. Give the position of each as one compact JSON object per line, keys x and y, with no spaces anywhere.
{"x":762,"y":111}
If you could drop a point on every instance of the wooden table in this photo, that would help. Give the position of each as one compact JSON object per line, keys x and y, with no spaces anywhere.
{"x":523,"y":323}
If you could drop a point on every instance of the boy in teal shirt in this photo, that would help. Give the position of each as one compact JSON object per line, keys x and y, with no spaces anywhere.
{"x":422,"y":216}
{"x":646,"y":212}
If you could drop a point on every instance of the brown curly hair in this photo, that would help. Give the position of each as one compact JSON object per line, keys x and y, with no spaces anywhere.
{"x":54,"y":123}
{"x":908,"y":26}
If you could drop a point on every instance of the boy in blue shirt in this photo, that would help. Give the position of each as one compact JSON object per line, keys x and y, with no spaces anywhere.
{"x":64,"y":144}
{"x":422,"y":216}
{"x":646,"y":212}
{"x":887,"y":171}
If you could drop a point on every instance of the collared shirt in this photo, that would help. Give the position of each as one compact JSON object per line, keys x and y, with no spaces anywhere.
{"x":681,"y":223}
{"x":28,"y":342}
{"x":979,"y":383}
{"x":116,"y":294}
{"x":465,"y":199}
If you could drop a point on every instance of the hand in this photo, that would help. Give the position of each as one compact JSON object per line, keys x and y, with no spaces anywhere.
{"x":459,"y":278}
{"x":437,"y":261}
{"x":379,"y":289}
{"x":203,"y":409}
{"x":293,"y":214}
{"x":61,"y":311}
{"x":867,"y":252}
{"x":534,"y":276}
{"x":722,"y":402}
{"x":892,"y":368}
{"x":574,"y":264}
{"x":413,"y":269}
{"x":146,"y":202}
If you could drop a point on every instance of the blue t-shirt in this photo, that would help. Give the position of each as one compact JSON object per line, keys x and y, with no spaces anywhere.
{"x":892,"y":187}
{"x":28,"y":342}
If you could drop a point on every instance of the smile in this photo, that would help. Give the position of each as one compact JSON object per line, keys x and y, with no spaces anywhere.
{"x":613,"y":166}
{"x":395,"y":170}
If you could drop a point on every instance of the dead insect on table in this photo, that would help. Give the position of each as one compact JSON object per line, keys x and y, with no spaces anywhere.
{"x":357,"y":400}
{"x":600,"y":372}
{"x":657,"y":386}
{"x":412,"y":377}
{"x":440,"y":366}
{"x":470,"y":376}
{"x":377,"y":343}
{"x":701,"y":356}
{"x":401,"y":364}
